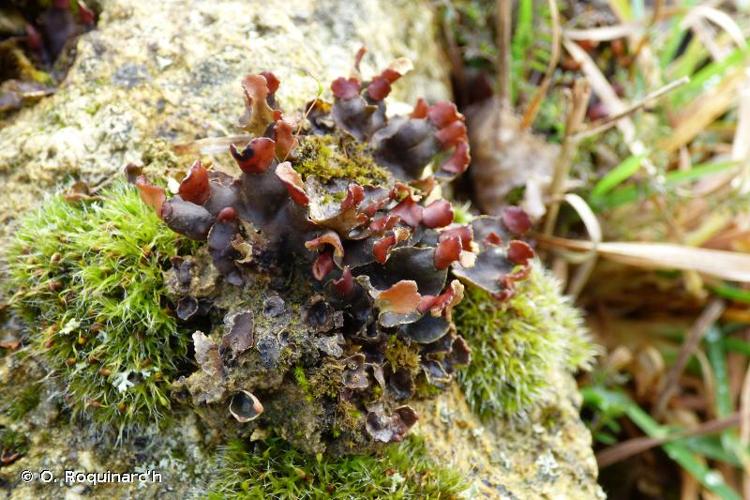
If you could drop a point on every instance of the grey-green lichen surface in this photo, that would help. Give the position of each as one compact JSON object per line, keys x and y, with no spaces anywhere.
{"x":295,"y":313}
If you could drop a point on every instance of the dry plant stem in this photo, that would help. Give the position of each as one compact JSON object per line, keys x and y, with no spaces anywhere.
{"x":709,"y":383}
{"x":610,"y":121}
{"x":536,"y":101}
{"x":658,"y":11}
{"x":690,"y":488}
{"x":627,"y":449}
{"x":602,"y":88}
{"x":454,"y":54}
{"x":504,"y":10}
{"x":732,"y":266}
{"x":211,"y":145}
{"x":579,"y":102}
{"x":708,"y":317}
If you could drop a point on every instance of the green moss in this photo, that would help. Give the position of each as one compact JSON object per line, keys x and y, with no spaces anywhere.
{"x":517,"y":346}
{"x":326,"y":380}
{"x":272,"y":469}
{"x":22,"y":403}
{"x":400,"y":355}
{"x":12,"y":442}
{"x":88,"y":277}
{"x":462,"y":213}
{"x":302,"y":382}
{"x":330,"y":157}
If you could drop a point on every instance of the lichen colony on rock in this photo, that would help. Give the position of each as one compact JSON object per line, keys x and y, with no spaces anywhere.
{"x":346,"y":204}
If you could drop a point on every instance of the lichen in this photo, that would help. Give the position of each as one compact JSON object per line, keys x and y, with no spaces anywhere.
{"x":329,"y":157}
{"x":316,"y":320}
{"x":272,"y":469}
{"x":367,"y":261}
{"x":88,"y":276}
{"x":519,"y":344}
{"x":157,"y":156}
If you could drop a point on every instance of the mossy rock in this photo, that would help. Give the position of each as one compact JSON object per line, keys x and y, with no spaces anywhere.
{"x":519,"y":346}
{"x":271,"y":469}
{"x":88,"y":277}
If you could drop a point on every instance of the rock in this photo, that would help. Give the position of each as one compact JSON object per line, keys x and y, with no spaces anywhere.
{"x":547,"y":455}
{"x":160,"y":73}
{"x":171,"y":71}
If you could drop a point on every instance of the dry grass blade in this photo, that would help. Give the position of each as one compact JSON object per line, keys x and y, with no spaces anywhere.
{"x":606,"y":123}
{"x":732,"y":266}
{"x":745,"y":427}
{"x":595,"y":233}
{"x":719,"y":18}
{"x":740,"y":144}
{"x":627,"y":449}
{"x":604,"y":33}
{"x":703,"y":111}
{"x":708,"y":317}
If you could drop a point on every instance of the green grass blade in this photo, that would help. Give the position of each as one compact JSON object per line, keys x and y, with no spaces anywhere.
{"x":711,"y":447}
{"x":717,"y":358}
{"x":737,"y":345}
{"x":623,"y":195}
{"x":731,"y":292}
{"x":612,"y":402}
{"x":713,"y":70}
{"x":617,"y":176}
{"x":699,"y":171}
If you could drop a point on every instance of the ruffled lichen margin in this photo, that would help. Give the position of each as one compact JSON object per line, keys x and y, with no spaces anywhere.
{"x":379,"y":264}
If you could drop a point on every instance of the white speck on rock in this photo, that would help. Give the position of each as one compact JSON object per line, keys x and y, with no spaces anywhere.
{"x":548,"y":467}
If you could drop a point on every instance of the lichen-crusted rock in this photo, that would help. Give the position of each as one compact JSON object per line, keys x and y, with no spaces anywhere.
{"x":170,"y":71}
{"x":546,"y":455}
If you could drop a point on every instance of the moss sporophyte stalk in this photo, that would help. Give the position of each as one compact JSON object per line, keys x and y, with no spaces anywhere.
{"x":312,"y":298}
